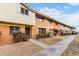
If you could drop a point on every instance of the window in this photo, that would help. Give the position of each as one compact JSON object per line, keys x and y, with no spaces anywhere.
{"x":50,"y":30}
{"x":14,"y":29}
{"x":41,"y":20}
{"x":56,"y":23}
{"x":50,"y":22}
{"x":24,"y":11}
{"x":64,"y":26}
{"x":40,"y":17}
{"x":42,"y":30}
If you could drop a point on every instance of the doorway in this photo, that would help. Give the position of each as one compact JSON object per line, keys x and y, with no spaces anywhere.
{"x":28,"y":32}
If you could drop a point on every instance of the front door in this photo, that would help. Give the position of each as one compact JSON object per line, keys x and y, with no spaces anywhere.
{"x":27,"y":31}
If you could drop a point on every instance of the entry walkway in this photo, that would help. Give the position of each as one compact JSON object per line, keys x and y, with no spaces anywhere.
{"x":43,"y":45}
{"x":57,"y":49}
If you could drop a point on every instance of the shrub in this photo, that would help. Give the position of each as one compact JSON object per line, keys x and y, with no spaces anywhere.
{"x":39,"y":36}
{"x":48,"y":34}
{"x":18,"y":37}
{"x":43,"y":35}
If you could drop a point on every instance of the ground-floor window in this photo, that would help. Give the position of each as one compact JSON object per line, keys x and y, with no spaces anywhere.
{"x":14,"y":29}
{"x":42,"y":30}
{"x":50,"y":30}
{"x":55,"y":31}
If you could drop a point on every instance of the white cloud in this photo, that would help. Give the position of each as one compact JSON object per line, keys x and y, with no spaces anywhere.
{"x":73,"y":4}
{"x":60,"y":15}
{"x":52,"y":12}
{"x":66,"y":7}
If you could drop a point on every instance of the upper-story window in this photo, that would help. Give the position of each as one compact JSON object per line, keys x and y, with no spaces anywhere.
{"x":50,"y":22}
{"x":24,"y":11}
{"x":40,"y":18}
{"x":64,"y":25}
{"x":56,"y":23}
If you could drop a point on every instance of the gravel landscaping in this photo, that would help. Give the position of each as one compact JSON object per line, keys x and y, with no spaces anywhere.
{"x":73,"y":49}
{"x":19,"y":49}
{"x":51,"y":40}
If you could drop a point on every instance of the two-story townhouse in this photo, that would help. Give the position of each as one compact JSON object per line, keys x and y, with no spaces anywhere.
{"x":15,"y":17}
{"x":65,"y":29}
{"x":46,"y":24}
{"x":20,"y":17}
{"x":70,"y":29}
{"x":43,"y":25}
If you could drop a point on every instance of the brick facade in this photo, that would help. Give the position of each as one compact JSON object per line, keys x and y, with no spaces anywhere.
{"x":43,"y":24}
{"x":19,"y":18}
{"x":5,"y":36}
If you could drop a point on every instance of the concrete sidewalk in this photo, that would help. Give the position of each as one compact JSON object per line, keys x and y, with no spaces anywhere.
{"x":57,"y":49}
{"x":41,"y":44}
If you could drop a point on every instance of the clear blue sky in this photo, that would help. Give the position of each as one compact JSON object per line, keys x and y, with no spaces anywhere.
{"x":65,"y":12}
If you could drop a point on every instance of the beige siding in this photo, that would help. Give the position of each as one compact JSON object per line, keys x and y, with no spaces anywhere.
{"x":11,"y":13}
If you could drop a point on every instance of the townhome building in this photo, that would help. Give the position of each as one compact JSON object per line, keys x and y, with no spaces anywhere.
{"x":66,"y":29}
{"x":42,"y":25}
{"x":14,"y":18}
{"x":46,"y":24}
{"x":19,"y":17}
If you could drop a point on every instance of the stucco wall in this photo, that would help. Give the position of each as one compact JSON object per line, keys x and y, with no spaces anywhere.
{"x":10,"y":12}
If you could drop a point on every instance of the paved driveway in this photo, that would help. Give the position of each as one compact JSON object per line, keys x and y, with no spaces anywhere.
{"x":19,"y":49}
{"x":57,"y":49}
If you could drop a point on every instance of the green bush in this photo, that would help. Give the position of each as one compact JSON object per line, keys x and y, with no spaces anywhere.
{"x":40,"y":36}
{"x":48,"y":34}
{"x":43,"y":35}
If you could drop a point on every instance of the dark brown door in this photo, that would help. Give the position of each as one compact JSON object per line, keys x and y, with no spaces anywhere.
{"x":27,"y":31}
